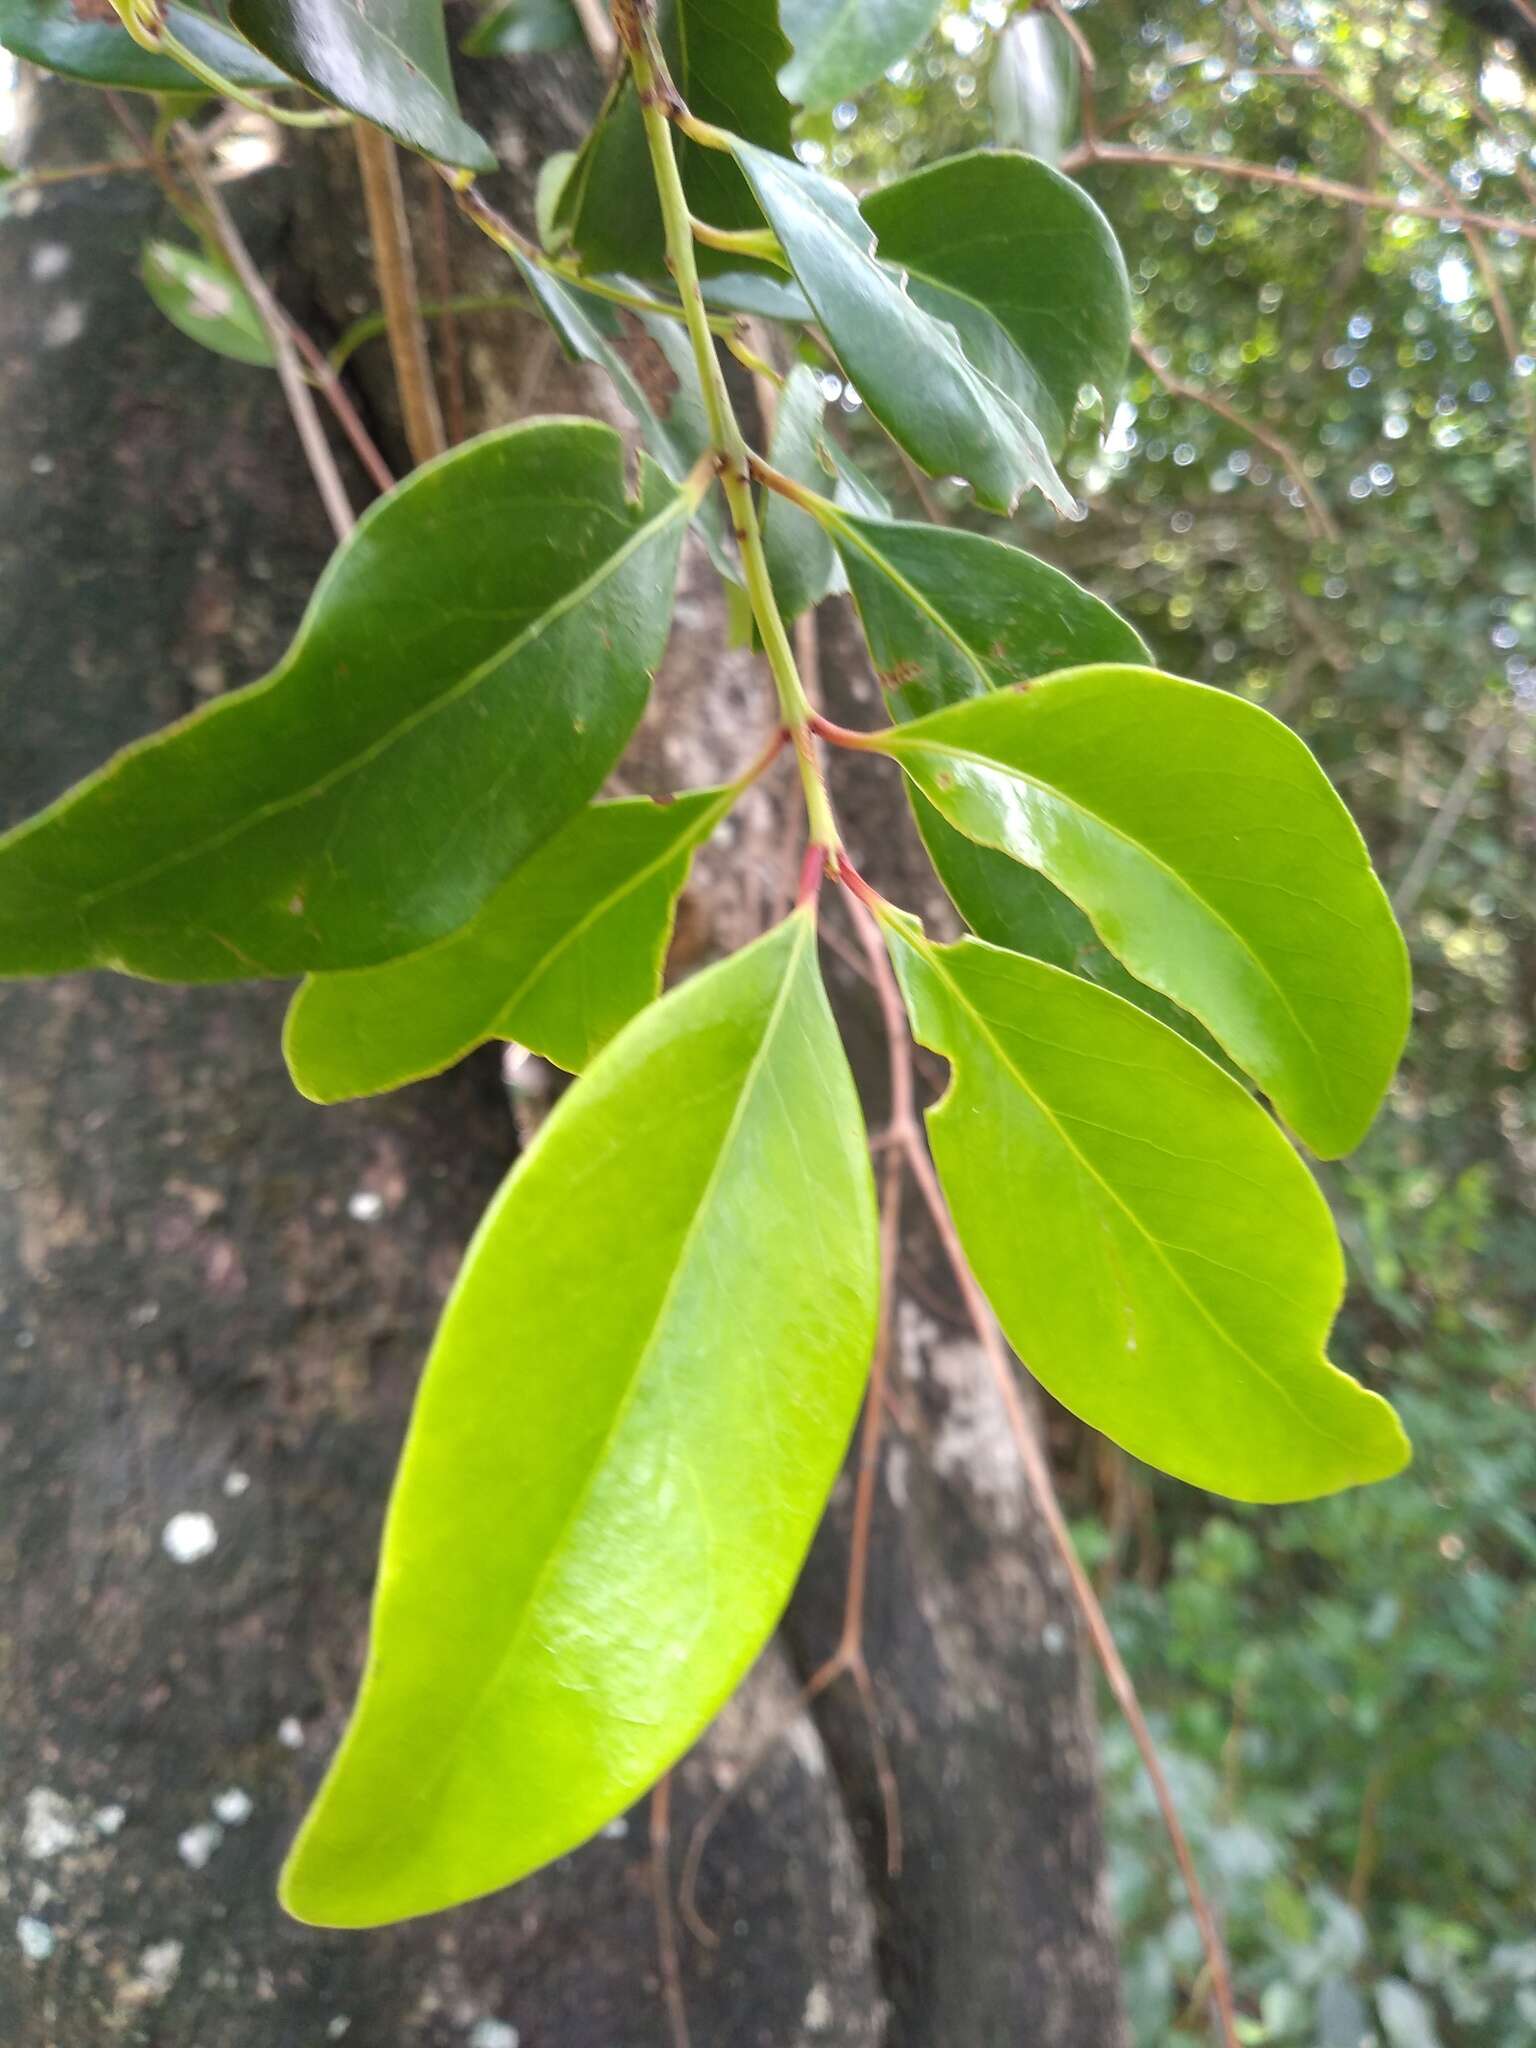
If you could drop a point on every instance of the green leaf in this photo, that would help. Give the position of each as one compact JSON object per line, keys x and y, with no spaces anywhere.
{"x":1034,"y":86}
{"x":1024,"y":267}
{"x":389,"y":65}
{"x":1213,"y":857}
{"x":521,"y":28}
{"x":801,"y":560}
{"x":631,"y":1418}
{"x":769,"y":295}
{"x":1155,"y":1251}
{"x":724,"y":62}
{"x":843,"y":45}
{"x":907,"y":366}
{"x":470,"y":667}
{"x":101,"y":52}
{"x":206,"y":301}
{"x":568,"y":949}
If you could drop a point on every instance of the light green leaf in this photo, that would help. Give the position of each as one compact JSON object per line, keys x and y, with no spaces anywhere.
{"x":769,"y":295}
{"x":568,"y":949}
{"x":1034,"y":86}
{"x":1155,"y":1251}
{"x":1026,"y":269}
{"x":1213,"y":857}
{"x":519,"y":28}
{"x":631,"y":1418}
{"x":907,"y":366}
{"x":801,"y":560}
{"x":389,"y":64}
{"x":723,"y":61}
{"x":843,"y":45}
{"x":206,"y":301}
{"x":101,"y":52}
{"x":470,"y":667}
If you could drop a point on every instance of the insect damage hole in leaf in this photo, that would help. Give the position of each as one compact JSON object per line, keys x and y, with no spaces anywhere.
{"x":634,"y":1410}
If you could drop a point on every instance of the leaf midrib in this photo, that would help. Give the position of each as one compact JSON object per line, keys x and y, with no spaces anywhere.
{"x":982,"y":1024}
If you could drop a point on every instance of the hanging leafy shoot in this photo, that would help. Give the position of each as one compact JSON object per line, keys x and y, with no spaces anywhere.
{"x":646,"y":1376}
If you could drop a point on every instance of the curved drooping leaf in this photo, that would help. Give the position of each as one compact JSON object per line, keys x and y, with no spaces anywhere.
{"x":801,"y":561}
{"x":1213,"y":857}
{"x":1034,"y":86}
{"x":632,"y":1415}
{"x":1155,"y":1251}
{"x":206,"y":301}
{"x":767,"y":294}
{"x":389,"y":64}
{"x":568,"y":949}
{"x":724,"y":61}
{"x":470,"y":667}
{"x":1024,"y":267}
{"x":520,"y":28}
{"x":54,"y":34}
{"x":840,"y":46}
{"x":907,"y":366}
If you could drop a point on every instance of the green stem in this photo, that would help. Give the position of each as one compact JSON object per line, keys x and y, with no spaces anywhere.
{"x":150,"y":33}
{"x":729,"y":445}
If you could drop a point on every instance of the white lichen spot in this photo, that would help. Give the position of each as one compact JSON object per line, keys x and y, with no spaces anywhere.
{"x":159,"y":1967}
{"x":106,"y":1820}
{"x":50,"y":1826}
{"x":234,"y":1807}
{"x":290,"y":1732}
{"x":66,"y":323}
{"x":48,"y":261}
{"x":236,"y":1483}
{"x":817,"y":2016}
{"x":492,"y":2034}
{"x":337,"y":2027}
{"x":41,"y":465}
{"x":616,"y":1830}
{"x":36,"y":1938}
{"x":1053,"y":1639}
{"x":365,"y":1206}
{"x":189,"y":1537}
{"x":196,"y":1845}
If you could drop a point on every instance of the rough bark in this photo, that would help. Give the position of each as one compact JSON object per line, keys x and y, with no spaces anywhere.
{"x":214,"y":1299}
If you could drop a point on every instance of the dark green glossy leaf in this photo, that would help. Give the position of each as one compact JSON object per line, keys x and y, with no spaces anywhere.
{"x":519,"y":28}
{"x":470,"y":667}
{"x":1213,"y":857}
{"x":801,"y":560}
{"x":1026,"y":269}
{"x":907,"y":366}
{"x":206,"y":301}
{"x":568,"y":949}
{"x":843,"y":45}
{"x":769,"y":295}
{"x":1156,"y":1252}
{"x":101,"y":52}
{"x":388,"y":63}
{"x":724,"y":61}
{"x":633,"y":1413}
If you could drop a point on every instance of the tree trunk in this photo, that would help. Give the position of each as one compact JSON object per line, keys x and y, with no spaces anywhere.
{"x":215,"y":1298}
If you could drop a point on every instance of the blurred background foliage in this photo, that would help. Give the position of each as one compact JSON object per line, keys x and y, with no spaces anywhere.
{"x":1318,"y":491}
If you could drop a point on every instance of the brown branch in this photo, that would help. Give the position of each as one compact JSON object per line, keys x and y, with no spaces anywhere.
{"x":448,"y":328}
{"x":394,"y":265}
{"x":1042,"y":1487}
{"x":1319,"y":518}
{"x":334,"y":392}
{"x":661,"y":1894}
{"x":1096,"y":152}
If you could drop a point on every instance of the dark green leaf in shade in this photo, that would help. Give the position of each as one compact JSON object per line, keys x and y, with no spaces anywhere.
{"x":1213,"y":858}
{"x":801,"y":560}
{"x":907,"y":366}
{"x":520,"y":28}
{"x":841,"y":46}
{"x":206,"y":301}
{"x":723,"y":56}
{"x":55,"y":35}
{"x":1026,"y":269}
{"x":388,"y":63}
{"x":766,"y":294}
{"x":568,"y":949}
{"x":634,"y":1410}
{"x":1155,"y":1250}
{"x":471,"y":665}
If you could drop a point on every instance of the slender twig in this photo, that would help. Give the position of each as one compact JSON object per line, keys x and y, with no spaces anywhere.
{"x":334,"y":392}
{"x":666,"y":1931}
{"x":597,"y":27}
{"x":1453,"y":807}
{"x":394,"y":266}
{"x":1319,"y":518}
{"x":1157,"y":158}
{"x":1037,"y":1471}
{"x":454,"y":406}
{"x":372,"y":325}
